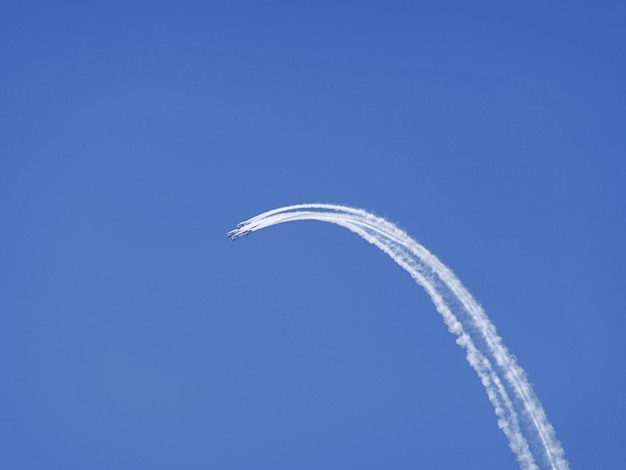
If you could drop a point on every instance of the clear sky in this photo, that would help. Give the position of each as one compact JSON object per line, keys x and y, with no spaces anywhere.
{"x":133,"y":136}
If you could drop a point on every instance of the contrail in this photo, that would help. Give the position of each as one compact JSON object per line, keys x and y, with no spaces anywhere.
{"x":520,"y":414}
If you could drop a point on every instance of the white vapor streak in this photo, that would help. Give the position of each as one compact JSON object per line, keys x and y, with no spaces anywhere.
{"x":520,"y":414}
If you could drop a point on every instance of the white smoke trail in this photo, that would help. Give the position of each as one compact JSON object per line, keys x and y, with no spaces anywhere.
{"x":520,"y":414}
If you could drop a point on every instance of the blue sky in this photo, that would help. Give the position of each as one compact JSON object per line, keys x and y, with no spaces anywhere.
{"x":134,"y":334}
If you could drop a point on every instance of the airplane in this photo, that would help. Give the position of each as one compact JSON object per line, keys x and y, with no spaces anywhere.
{"x":235,"y":234}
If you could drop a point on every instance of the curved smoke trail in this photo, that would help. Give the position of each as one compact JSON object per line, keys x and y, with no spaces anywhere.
{"x":520,"y":414}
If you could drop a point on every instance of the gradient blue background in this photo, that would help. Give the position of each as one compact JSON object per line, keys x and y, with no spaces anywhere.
{"x":133,"y":334}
